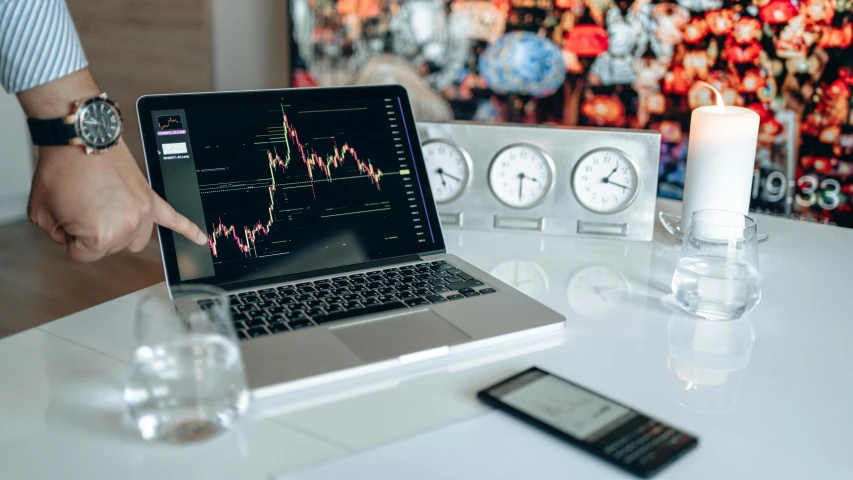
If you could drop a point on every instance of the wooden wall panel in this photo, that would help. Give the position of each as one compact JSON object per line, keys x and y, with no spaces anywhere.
{"x":141,"y":47}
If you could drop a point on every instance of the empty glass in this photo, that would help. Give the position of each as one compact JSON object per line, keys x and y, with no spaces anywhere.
{"x":187,"y":381}
{"x":717,"y":273}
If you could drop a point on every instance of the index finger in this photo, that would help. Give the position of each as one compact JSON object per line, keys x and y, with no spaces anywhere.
{"x":166,"y":216}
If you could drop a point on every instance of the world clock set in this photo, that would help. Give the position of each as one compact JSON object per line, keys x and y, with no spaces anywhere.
{"x":583,"y":182}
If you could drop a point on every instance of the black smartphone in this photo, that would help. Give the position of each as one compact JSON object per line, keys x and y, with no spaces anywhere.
{"x":605,"y":428}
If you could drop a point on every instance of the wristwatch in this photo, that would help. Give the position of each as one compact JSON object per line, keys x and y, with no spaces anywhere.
{"x":94,"y":123}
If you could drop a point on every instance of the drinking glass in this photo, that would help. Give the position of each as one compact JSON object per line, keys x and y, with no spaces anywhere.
{"x":717,"y":273}
{"x":187,"y":381}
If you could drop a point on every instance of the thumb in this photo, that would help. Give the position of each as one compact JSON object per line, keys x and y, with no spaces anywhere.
{"x":166,"y":216}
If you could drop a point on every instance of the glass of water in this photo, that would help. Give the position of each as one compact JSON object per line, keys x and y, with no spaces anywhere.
{"x":717,"y":274}
{"x":187,"y":381}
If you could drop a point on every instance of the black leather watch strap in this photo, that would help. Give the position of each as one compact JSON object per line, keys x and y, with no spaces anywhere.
{"x":49,"y":133}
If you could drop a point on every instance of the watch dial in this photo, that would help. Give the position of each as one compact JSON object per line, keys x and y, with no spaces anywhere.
{"x":448,"y":168}
{"x":521,"y":176}
{"x":100,"y":124}
{"x":605,"y":181}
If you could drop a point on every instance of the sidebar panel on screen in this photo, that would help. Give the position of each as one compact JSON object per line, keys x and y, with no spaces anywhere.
{"x":174,"y":151}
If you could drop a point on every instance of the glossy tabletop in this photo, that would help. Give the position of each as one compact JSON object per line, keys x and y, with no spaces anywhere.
{"x":768,"y":395}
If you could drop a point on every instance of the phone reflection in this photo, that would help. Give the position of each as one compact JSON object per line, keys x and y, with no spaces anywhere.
{"x":708,"y":361}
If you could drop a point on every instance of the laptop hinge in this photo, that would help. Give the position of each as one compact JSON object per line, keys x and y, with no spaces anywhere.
{"x":320,"y":273}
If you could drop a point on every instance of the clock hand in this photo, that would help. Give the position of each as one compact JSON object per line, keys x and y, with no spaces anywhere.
{"x":618,"y":185}
{"x":607,"y":178}
{"x":440,"y":171}
{"x":520,"y":184}
{"x":454,"y":177}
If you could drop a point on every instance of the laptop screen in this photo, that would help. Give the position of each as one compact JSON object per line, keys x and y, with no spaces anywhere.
{"x":290,"y":181}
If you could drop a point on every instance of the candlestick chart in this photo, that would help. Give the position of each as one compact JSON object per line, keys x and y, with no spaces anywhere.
{"x":282,"y":184}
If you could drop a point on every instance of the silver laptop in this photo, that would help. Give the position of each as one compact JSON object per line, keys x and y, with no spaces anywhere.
{"x":322,"y":226}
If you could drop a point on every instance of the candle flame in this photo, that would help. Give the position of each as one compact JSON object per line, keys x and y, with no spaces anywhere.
{"x":721,"y":107}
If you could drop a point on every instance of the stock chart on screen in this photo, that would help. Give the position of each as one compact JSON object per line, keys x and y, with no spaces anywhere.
{"x":297,"y":187}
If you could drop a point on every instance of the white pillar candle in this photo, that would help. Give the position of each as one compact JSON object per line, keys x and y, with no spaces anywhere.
{"x":720,"y":159}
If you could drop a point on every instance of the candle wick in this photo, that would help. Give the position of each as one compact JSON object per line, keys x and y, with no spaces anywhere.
{"x":721,"y":106}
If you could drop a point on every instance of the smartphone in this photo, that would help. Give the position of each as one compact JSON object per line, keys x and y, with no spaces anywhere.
{"x":607,"y":429}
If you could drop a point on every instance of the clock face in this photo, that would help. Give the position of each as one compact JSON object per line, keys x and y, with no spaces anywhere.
{"x":526,"y":277}
{"x":521,"y":176}
{"x":595,"y":290}
{"x":605,"y":181}
{"x":448,"y":167}
{"x":99,"y":123}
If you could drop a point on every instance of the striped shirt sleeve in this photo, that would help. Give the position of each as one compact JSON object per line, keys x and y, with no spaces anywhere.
{"x":38,"y":43}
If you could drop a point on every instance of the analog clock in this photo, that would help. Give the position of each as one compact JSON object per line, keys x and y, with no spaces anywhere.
{"x":526,"y":277}
{"x":605,"y":181}
{"x":595,"y":290}
{"x":449,"y":169}
{"x":521,"y":176}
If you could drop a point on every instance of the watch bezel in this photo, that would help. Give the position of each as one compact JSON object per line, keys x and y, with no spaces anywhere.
{"x":78,"y":118}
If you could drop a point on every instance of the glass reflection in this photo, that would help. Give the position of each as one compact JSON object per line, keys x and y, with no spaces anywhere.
{"x":708,"y":360}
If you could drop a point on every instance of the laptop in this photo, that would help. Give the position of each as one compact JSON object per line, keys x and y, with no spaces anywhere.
{"x":322,"y":227}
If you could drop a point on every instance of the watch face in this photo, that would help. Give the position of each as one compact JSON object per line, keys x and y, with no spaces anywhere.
{"x":99,"y":123}
{"x":605,"y":181}
{"x":448,"y":167}
{"x":521,"y":176}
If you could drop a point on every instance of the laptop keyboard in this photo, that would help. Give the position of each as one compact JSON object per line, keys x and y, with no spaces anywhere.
{"x":269,"y":311}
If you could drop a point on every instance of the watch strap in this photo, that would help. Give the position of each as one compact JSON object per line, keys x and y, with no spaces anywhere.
{"x":52,"y":132}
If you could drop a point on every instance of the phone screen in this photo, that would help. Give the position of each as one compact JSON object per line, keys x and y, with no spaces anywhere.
{"x":610,"y":430}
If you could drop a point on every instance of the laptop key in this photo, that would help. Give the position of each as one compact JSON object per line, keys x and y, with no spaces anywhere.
{"x":471,"y":294}
{"x":465,"y":284}
{"x":251,"y":299}
{"x":487,"y":291}
{"x":242,"y":335}
{"x":362,"y":311}
{"x":287,"y":291}
{"x":414,"y":302}
{"x":353,"y":305}
{"x":314,"y":312}
{"x":235,"y":300}
{"x":297,"y":324}
{"x":455,"y":297}
{"x":440,"y":289}
{"x":245,"y":308}
{"x":256,"y":322}
{"x":436,"y":299}
{"x":331,"y":310}
{"x":296,"y":317}
{"x":257,"y":332}
{"x":278,"y":327}
{"x":370,"y":301}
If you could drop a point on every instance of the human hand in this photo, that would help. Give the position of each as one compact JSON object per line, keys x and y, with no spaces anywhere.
{"x":99,"y":204}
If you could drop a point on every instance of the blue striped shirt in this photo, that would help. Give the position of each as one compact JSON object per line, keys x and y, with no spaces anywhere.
{"x":38,"y":43}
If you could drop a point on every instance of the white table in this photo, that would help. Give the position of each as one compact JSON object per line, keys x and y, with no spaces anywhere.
{"x":769,"y":396}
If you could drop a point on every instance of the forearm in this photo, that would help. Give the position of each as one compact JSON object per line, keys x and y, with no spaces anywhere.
{"x":55,"y":99}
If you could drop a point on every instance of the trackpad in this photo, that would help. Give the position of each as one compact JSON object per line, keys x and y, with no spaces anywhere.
{"x":397,"y":335}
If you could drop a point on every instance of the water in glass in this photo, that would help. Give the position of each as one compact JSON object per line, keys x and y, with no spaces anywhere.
{"x":187,"y":381}
{"x":717,"y":274}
